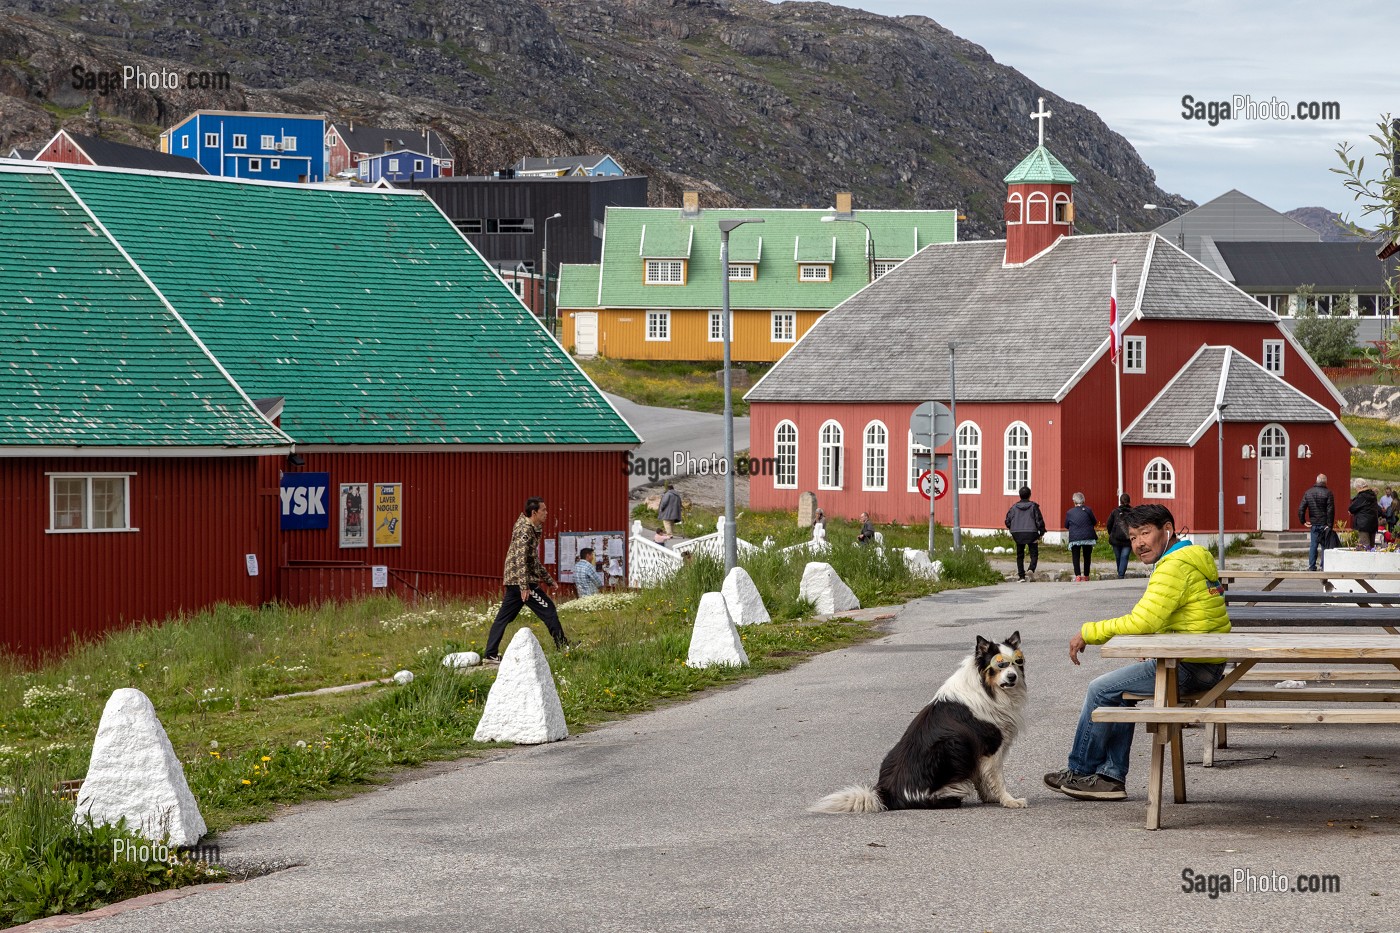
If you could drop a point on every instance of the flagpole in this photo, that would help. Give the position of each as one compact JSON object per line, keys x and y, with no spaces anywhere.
{"x":1115,"y":338}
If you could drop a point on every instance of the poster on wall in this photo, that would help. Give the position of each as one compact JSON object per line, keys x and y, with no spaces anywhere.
{"x":388,"y":514}
{"x":609,"y":553}
{"x":354,"y":529}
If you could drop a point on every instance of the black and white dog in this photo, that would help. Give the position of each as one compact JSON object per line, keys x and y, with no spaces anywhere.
{"x":956,"y":744}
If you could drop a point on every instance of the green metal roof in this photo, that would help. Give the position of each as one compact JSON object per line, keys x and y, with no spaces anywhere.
{"x":89,"y":355}
{"x":664,"y":241}
{"x":1042,"y":167}
{"x":816,"y":248}
{"x":897,"y":235}
{"x":366,"y":310}
{"x":578,"y":286}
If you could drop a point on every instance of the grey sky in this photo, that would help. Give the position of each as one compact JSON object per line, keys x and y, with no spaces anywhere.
{"x":1132,"y":64}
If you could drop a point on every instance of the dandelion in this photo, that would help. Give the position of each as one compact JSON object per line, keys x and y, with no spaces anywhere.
{"x":248,"y":782}
{"x":266,"y":758}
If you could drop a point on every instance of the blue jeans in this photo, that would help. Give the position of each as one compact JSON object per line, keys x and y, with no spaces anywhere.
{"x":1102,"y":747}
{"x":1121,"y":553}
{"x":1314,"y":544}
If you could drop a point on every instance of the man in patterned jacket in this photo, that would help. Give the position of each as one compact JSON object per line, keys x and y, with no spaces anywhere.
{"x":526,"y":580}
{"x":1183,"y":595}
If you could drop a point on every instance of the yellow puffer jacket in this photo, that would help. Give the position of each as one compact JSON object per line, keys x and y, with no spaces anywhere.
{"x":1183,"y":595}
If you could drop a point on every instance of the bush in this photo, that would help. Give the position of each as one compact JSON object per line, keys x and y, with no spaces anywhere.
{"x":1330,"y":341}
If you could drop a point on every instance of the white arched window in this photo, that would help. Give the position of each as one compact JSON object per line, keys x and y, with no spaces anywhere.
{"x":829,"y":457}
{"x":1273,"y":443}
{"x":1018,"y":458}
{"x":1014,"y":208}
{"x":876,"y":456}
{"x":1159,"y":480}
{"x":969,"y":457}
{"x":785,"y":453}
{"x":1062,"y":209}
{"x":1037,"y":208}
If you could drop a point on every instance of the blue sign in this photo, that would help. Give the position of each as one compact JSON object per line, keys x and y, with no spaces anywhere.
{"x":305,"y":497}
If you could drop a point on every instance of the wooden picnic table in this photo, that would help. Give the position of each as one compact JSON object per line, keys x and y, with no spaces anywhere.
{"x":1275,"y":577}
{"x":1246,"y":649}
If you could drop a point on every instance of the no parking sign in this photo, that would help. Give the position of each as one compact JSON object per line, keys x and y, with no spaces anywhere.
{"x":937,"y":480}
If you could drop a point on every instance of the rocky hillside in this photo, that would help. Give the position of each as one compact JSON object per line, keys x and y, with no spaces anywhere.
{"x":1325,"y":222}
{"x":752,"y":102}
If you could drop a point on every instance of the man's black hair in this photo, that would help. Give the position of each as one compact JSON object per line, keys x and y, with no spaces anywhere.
{"x":587,"y":550}
{"x":1025,"y":492}
{"x":1158,"y":516}
{"x":1125,"y":500}
{"x":532,"y":505}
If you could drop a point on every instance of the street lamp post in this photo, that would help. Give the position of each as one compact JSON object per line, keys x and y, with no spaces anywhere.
{"x":1180,"y":228}
{"x":545,"y":262}
{"x":1220,"y":465}
{"x":731,"y":543}
{"x":869,"y":242}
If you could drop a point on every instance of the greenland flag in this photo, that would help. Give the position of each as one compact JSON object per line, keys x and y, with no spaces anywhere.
{"x":1115,"y":330}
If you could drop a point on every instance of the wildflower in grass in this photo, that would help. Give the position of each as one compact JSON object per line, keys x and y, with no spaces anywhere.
{"x":247,"y":782}
{"x":266,"y":758}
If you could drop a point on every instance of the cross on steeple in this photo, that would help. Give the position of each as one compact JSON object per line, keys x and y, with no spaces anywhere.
{"x":1041,"y":116}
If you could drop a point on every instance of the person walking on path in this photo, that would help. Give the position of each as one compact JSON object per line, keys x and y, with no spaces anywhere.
{"x":526,"y":580}
{"x":1318,"y":511}
{"x":1390,"y":509}
{"x":1027,"y":526}
{"x":669,"y":509}
{"x":1183,"y":595}
{"x":1365,"y":514}
{"x":1079,"y":526}
{"x":1118,"y":534}
{"x":587,"y":579}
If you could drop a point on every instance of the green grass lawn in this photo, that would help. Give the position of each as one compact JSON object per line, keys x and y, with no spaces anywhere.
{"x":1377,"y":456}
{"x":692,"y":386}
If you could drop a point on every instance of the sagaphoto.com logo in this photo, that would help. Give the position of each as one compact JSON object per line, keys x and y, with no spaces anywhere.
{"x":136,"y":78}
{"x":1245,"y":107}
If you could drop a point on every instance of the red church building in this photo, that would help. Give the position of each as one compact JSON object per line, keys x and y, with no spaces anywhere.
{"x":1203,"y":369}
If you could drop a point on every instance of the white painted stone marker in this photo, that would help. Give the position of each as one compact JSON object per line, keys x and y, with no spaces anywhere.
{"x":134,"y":773}
{"x":742,"y":599}
{"x":523,"y":706}
{"x":460,"y":659}
{"x":827,"y":591}
{"x":403,"y":678}
{"x":715,"y":640}
{"x":920,"y":566}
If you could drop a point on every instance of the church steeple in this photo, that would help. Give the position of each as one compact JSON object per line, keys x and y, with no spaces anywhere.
{"x":1039,"y":200}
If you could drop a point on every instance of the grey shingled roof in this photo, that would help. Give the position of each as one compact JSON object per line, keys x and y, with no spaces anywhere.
{"x":371,"y":139}
{"x":1186,"y":404}
{"x":889,"y":342}
{"x":560,"y":162}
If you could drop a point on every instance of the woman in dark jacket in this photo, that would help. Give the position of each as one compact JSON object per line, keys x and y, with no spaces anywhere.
{"x":1079,"y":523}
{"x":1118,"y":534}
{"x":1365,"y":516}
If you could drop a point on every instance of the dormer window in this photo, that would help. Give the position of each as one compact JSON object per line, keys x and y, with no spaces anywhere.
{"x":743,"y":272}
{"x":665,"y":271}
{"x":814,"y":272}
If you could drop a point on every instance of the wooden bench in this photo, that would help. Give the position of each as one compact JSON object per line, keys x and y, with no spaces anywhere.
{"x":1277,"y":616}
{"x":1185,"y":715}
{"x":1311,"y":598}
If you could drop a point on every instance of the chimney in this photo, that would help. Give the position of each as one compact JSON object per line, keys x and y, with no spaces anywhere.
{"x":352,"y":126}
{"x":843,"y":204}
{"x":690,"y":204}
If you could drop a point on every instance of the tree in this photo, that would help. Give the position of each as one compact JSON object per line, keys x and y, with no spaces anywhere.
{"x":1380,"y":203}
{"x":1330,"y":341}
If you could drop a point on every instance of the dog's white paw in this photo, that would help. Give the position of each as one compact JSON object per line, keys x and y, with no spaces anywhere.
{"x":1015,"y":803}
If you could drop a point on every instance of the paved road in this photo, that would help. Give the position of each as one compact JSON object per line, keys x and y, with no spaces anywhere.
{"x":692,"y":817}
{"x":668,"y":430}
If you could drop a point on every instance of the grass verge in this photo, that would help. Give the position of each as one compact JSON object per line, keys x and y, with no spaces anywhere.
{"x":213,"y":677}
{"x":1377,"y":453}
{"x":669,"y":384}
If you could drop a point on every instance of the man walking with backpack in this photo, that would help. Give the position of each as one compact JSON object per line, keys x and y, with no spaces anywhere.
{"x":1317,"y":509}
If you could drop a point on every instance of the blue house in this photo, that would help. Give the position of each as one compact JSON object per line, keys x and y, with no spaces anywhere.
{"x":596,"y":165}
{"x":242,"y":144}
{"x":401,"y":165}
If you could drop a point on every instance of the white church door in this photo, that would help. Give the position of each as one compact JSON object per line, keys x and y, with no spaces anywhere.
{"x":586,"y":333}
{"x":1273,"y":479}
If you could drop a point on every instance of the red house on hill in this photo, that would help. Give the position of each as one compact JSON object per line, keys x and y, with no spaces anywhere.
{"x":1203,"y":367}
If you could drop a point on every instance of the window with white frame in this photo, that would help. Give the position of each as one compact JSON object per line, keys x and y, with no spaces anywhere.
{"x":1014,"y":208}
{"x":1159,"y":480}
{"x":885,"y":265}
{"x":1134,"y":354}
{"x":418,"y":165}
{"x":716,"y":326}
{"x":184,"y":142}
{"x":658,"y":325}
{"x":665,"y":272}
{"x":916,"y":466}
{"x":742,"y":272}
{"x":814,"y":273}
{"x":1329,"y":305}
{"x":969,"y":457}
{"x":240,"y":141}
{"x":393,"y":165}
{"x":1063,"y":212}
{"x":1037,"y":208}
{"x":877,"y":451}
{"x":1273,"y":356}
{"x":274,"y":163}
{"x":289,"y":144}
{"x":255,"y":165}
{"x":1279,"y":304}
{"x":211,"y":140}
{"x":784,"y":326}
{"x":1018,"y":458}
{"x":90,"y":502}
{"x":268,"y":141}
{"x":1273,"y":443}
{"x":829,"y":457}
{"x":785,"y":453}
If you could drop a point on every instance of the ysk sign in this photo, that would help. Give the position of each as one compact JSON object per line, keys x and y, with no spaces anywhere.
{"x":304,"y":499}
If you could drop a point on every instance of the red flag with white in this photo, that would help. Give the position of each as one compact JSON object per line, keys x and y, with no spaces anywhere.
{"x":1114,"y":330}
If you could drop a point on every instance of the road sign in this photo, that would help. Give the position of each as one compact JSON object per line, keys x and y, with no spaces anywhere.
{"x":939,"y":481}
{"x":932,"y":424}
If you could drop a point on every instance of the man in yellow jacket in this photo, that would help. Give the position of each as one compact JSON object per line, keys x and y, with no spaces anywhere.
{"x":1183,"y":595}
